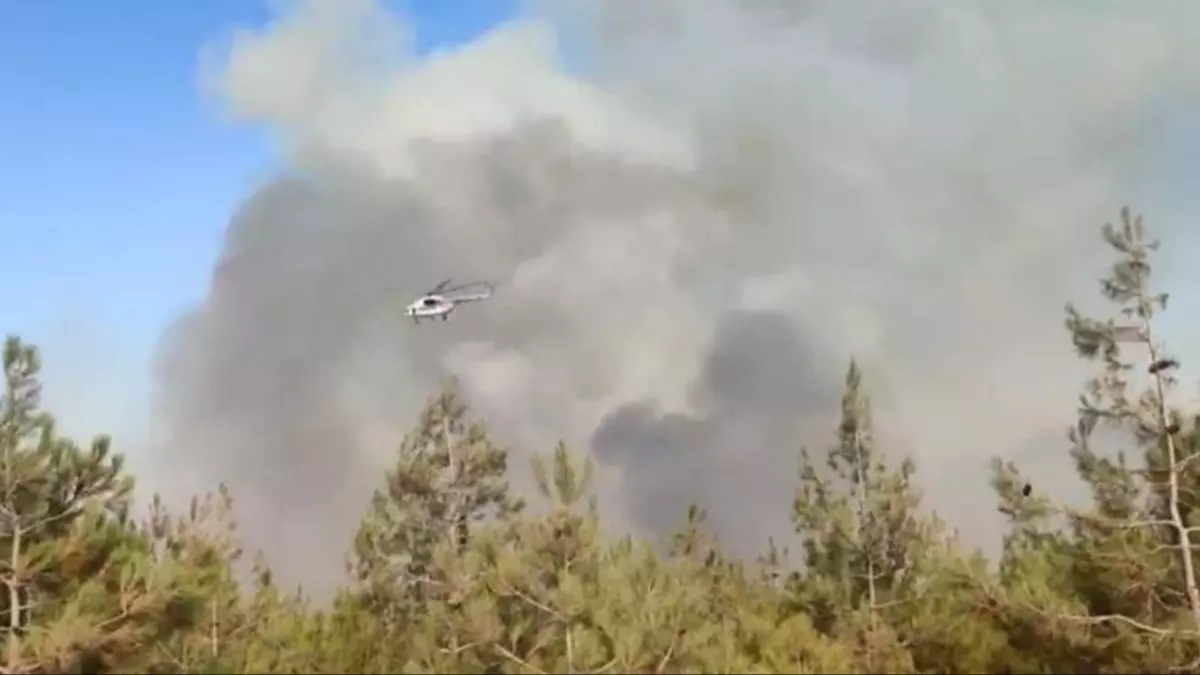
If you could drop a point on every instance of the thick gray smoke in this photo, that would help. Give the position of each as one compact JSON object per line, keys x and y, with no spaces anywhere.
{"x":691,"y":241}
{"x":760,"y":390}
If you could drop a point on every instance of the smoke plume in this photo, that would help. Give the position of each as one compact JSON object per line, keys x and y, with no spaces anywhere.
{"x":694,"y":224}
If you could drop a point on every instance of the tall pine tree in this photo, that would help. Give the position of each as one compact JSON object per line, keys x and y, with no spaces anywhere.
{"x":1135,"y":567}
{"x":1116,"y":590}
{"x":449,"y":476}
{"x":863,"y":534}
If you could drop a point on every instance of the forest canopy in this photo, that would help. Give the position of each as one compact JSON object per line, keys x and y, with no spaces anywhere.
{"x":449,"y":571}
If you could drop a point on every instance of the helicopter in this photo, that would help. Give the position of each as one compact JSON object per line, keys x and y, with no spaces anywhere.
{"x":443,"y":299}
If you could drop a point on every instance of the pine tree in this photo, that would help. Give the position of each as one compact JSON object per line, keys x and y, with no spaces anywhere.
{"x":226,"y":627}
{"x":449,"y":475}
{"x":80,"y":588}
{"x":1116,"y":590}
{"x":1136,"y":568}
{"x":864,"y":537}
{"x":548,"y":578}
{"x":861,"y":524}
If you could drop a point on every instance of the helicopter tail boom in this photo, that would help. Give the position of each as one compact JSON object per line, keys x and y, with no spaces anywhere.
{"x":476,"y":290}
{"x":473,"y":297}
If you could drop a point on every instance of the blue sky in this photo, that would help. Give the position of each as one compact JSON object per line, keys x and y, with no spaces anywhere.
{"x":117,"y":178}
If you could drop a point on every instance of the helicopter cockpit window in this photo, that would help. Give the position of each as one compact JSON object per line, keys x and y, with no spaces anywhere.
{"x":430,"y":302}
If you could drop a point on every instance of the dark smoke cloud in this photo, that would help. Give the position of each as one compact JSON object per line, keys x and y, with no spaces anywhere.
{"x":760,"y":391}
{"x":301,"y":351}
{"x":690,"y":241}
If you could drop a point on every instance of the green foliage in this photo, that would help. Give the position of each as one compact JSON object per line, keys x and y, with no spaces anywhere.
{"x":449,"y":573}
{"x":82,"y":588}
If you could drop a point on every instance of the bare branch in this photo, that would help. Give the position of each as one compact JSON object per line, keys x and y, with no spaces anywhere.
{"x":517,"y":660}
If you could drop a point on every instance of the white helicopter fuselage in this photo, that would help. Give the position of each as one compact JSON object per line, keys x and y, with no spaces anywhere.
{"x":430,"y":307}
{"x":441,"y":301}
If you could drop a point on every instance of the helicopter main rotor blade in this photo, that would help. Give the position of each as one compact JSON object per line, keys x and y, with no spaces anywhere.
{"x":484,"y":289}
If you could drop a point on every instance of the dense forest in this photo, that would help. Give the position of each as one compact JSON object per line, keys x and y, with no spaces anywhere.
{"x":451,"y":572}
